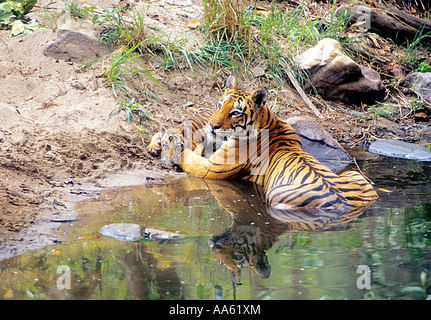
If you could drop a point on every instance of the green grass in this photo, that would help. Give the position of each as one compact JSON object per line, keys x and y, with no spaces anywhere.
{"x":113,"y":23}
{"x":385,"y":110}
{"x":225,"y":19}
{"x":132,"y":111}
{"x":415,"y":51}
{"x":237,"y":39}
{"x":127,"y":63}
{"x":78,"y":11}
{"x":119,"y":68}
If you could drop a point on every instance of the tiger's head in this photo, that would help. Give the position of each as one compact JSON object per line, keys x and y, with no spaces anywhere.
{"x":241,"y":247}
{"x":237,"y":113}
{"x":172,"y":142}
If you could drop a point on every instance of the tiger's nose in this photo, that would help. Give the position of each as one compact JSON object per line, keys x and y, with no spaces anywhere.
{"x":214,"y":126}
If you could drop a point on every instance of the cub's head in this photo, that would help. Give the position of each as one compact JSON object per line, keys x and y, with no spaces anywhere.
{"x":236,"y":114}
{"x":172,"y":142}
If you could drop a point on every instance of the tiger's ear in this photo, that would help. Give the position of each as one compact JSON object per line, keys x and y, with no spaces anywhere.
{"x":231,"y":83}
{"x":163,"y":130}
{"x":259,"y":97}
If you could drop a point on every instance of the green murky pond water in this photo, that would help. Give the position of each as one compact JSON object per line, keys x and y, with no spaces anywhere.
{"x":233,"y":248}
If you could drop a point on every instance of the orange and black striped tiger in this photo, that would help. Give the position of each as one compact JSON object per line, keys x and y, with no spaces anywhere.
{"x":255,"y":228}
{"x":262,"y":148}
{"x":169,"y":143}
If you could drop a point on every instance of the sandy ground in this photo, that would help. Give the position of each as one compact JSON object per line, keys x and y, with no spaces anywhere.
{"x":59,"y":143}
{"x":58,"y":140}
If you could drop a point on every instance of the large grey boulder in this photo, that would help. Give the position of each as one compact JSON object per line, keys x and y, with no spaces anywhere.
{"x":420,"y":83}
{"x":400,"y":149}
{"x":317,"y":142}
{"x":337,"y":77}
{"x":76,"y":44}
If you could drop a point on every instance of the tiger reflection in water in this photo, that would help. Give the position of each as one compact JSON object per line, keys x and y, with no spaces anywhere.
{"x":256,"y":227}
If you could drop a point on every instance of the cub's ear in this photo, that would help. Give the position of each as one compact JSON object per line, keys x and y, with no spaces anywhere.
{"x":163,"y":130}
{"x":259,"y":97}
{"x":231,"y":83}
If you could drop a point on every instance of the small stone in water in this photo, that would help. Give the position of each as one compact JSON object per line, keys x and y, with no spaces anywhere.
{"x":122,"y":231}
{"x":133,"y":232}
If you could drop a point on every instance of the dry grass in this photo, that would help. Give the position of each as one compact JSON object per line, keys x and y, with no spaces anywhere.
{"x":225,"y":19}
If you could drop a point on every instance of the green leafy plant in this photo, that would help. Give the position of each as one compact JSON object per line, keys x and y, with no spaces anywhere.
{"x":78,"y":11}
{"x":415,"y":104}
{"x":423,"y":67}
{"x":132,"y":110}
{"x":12,"y":14}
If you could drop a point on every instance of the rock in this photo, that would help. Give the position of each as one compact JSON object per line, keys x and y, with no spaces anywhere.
{"x":319,"y":143}
{"x":122,"y":231}
{"x":400,"y":149}
{"x":390,"y":23}
{"x":258,"y":71}
{"x":420,"y":83}
{"x":133,"y":232}
{"x":155,"y":234}
{"x":336,"y":77}
{"x":76,"y":45}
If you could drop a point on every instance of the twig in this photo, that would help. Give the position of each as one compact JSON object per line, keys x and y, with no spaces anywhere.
{"x":357,"y":166}
{"x":303,"y":95}
{"x":344,"y":162}
{"x":360,"y":171}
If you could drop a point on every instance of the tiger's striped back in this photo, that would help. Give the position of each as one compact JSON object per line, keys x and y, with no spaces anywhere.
{"x":293,"y":178}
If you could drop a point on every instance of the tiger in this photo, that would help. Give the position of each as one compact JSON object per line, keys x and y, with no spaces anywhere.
{"x":289,"y":176}
{"x":169,"y":143}
{"x":172,"y":144}
{"x":256,"y":228}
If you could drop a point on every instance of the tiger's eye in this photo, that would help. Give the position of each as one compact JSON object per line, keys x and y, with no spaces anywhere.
{"x":235,"y":114}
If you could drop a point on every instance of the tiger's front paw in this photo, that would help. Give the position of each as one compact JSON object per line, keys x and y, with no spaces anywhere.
{"x":199,"y":149}
{"x":194,"y":164}
{"x":155,"y":145}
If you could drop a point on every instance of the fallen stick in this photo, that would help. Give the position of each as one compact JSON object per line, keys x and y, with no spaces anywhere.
{"x":357,"y":167}
{"x":303,"y":95}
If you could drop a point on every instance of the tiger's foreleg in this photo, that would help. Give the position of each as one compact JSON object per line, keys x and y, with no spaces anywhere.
{"x":199,"y":149}
{"x":222,"y":164}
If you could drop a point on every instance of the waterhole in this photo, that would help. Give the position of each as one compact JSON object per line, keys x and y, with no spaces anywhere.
{"x":233,"y":247}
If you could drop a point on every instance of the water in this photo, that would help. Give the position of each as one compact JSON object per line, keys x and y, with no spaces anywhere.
{"x":320,"y":258}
